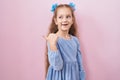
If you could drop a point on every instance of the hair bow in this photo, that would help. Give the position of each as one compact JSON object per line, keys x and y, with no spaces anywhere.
{"x":54,"y":7}
{"x":72,"y":5}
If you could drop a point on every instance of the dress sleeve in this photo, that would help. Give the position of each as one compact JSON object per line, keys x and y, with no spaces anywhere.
{"x":79,"y":60}
{"x":55,"y":59}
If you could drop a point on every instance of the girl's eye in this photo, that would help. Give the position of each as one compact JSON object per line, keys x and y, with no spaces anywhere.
{"x":60,"y":17}
{"x":68,"y":17}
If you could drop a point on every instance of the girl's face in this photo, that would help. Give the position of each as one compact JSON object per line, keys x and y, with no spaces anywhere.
{"x":64,"y":19}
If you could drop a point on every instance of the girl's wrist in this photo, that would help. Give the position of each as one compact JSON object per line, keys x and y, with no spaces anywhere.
{"x":53,"y":48}
{"x":53,"y":44}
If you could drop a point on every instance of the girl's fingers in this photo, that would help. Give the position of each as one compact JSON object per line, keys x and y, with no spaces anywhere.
{"x":45,"y":37}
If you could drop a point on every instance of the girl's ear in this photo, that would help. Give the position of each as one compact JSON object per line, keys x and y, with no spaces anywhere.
{"x":55,"y":21}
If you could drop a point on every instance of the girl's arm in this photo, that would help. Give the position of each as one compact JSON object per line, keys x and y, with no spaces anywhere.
{"x":54,"y":56}
{"x":79,"y":60}
{"x":55,"y":59}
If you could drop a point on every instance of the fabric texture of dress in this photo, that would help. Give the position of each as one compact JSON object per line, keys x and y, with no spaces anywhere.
{"x":66,"y":62}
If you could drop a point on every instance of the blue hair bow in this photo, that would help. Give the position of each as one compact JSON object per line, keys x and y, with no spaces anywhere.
{"x":72,"y":5}
{"x":54,"y":6}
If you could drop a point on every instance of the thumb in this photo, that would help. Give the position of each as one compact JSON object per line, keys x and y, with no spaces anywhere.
{"x":45,"y":37}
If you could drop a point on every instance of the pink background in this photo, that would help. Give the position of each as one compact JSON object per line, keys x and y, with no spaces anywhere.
{"x":22,"y":47}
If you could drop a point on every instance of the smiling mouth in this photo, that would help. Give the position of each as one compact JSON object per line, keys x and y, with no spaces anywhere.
{"x":64,"y":24}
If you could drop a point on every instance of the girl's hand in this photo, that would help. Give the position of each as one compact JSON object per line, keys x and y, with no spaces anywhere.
{"x":52,"y":39}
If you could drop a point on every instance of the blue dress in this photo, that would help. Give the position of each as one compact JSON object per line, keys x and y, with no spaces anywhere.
{"x":66,"y":62}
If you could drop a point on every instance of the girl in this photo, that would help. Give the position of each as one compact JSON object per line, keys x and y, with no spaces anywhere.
{"x":63,"y":48}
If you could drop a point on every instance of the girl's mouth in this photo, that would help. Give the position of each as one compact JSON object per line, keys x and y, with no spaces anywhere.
{"x":64,"y":24}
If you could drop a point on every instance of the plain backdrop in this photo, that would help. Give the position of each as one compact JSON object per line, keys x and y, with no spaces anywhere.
{"x":22,"y":47}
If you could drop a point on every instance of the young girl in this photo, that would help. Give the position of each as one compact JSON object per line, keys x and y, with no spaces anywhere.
{"x":64,"y":56}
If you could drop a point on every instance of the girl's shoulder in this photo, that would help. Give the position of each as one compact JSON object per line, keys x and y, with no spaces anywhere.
{"x":76,"y":39}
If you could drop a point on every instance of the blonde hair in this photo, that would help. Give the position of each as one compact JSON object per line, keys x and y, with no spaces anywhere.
{"x":53,"y":28}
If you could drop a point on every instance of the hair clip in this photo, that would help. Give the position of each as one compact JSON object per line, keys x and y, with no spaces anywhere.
{"x":54,"y":6}
{"x":72,"y":5}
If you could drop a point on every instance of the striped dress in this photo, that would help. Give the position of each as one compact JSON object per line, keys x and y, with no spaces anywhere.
{"x":66,"y":62}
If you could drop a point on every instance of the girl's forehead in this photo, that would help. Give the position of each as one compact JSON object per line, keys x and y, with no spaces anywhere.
{"x":64,"y":10}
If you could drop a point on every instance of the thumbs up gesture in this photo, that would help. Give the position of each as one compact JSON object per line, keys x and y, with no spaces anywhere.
{"x":52,"y":39}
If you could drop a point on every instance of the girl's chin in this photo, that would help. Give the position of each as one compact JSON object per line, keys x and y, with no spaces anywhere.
{"x":65,"y":28}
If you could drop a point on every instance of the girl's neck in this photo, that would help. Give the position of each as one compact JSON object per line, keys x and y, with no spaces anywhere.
{"x":65,"y":34}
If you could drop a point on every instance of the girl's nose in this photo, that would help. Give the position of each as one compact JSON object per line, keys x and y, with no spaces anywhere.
{"x":65,"y":19}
